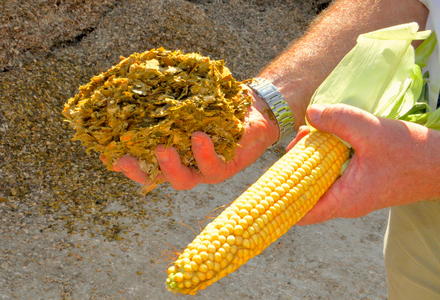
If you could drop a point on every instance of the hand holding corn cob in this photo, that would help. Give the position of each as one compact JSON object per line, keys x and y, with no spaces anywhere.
{"x":394,"y":163}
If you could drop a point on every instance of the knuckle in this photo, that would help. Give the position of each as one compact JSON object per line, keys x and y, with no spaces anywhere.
{"x":338,"y":116}
{"x":180,"y":187}
{"x":178,"y":184}
{"x":335,"y":114}
{"x":212,"y":177}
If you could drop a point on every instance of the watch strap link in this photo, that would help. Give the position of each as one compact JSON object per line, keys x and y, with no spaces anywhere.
{"x":281,"y":110}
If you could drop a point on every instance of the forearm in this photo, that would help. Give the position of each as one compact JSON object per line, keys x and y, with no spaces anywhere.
{"x":303,"y":67}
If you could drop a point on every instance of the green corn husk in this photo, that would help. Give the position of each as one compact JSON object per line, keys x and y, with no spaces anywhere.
{"x":382,"y":75}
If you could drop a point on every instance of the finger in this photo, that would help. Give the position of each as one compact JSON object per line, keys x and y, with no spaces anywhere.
{"x":323,"y":210}
{"x":349,"y":123}
{"x":129,"y":165}
{"x":208,"y":161}
{"x":339,"y":201}
{"x":302,"y":132}
{"x":179,"y":176}
{"x":117,"y":168}
{"x":317,"y":214}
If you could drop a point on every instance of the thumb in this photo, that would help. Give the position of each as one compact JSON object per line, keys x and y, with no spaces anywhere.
{"x":347,"y":122}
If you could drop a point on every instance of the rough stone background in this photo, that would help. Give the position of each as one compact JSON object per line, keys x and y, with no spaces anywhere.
{"x":70,"y":229}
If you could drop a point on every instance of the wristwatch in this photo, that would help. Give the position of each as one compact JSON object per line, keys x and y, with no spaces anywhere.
{"x":281,"y":110}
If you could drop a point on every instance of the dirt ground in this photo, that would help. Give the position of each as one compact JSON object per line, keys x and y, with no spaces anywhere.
{"x":70,"y":229}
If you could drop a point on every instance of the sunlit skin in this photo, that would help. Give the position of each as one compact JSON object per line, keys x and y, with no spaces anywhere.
{"x":394,"y":162}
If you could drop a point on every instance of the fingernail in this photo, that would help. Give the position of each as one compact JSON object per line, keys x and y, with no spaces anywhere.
{"x":197,"y":141}
{"x":162,"y":156}
{"x":314,"y":112}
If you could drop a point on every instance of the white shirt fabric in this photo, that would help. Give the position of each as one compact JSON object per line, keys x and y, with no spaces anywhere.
{"x":433,"y":66}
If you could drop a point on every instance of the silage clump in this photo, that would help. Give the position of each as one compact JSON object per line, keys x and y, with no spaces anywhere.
{"x":159,"y":97}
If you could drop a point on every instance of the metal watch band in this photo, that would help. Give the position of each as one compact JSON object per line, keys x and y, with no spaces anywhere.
{"x":281,"y":110}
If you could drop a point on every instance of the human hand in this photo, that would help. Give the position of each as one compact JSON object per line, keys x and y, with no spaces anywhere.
{"x":394,"y":163}
{"x":260,"y":133}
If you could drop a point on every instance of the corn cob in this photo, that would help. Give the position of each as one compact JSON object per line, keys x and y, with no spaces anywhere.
{"x":262,"y":214}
